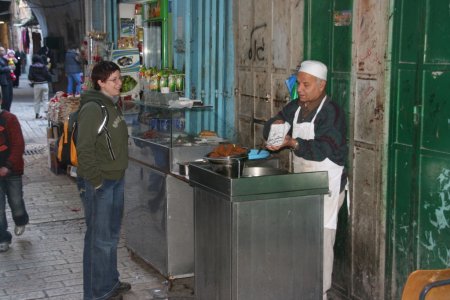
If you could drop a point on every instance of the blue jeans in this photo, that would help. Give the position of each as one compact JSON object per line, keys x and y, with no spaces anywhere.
{"x":103,"y":212}
{"x":11,"y":189}
{"x":73,"y":78}
{"x":7,"y":94}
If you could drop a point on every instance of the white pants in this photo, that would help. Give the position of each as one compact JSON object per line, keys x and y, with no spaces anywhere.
{"x":329,"y":236}
{"x":40,"y":96}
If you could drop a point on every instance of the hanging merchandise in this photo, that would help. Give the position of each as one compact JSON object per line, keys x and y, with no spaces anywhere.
{"x":97,"y":49}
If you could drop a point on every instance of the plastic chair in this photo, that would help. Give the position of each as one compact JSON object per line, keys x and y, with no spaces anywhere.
{"x":427,"y":285}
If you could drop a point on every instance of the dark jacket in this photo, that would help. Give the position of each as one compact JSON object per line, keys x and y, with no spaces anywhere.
{"x":330,"y":139}
{"x":5,"y":78}
{"x":103,"y":156}
{"x":15,"y":142}
{"x":72,"y":63}
{"x":38,"y":73}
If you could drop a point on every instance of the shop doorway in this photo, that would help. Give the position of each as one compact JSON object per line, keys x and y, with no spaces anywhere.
{"x":418,"y":198}
{"x":328,"y":38}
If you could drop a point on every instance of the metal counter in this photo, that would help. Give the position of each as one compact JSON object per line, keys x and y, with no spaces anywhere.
{"x":258,"y":238}
{"x":158,"y":221}
{"x":165,"y":158}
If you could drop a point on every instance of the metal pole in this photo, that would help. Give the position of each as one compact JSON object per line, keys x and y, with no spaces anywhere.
{"x":104,"y":16}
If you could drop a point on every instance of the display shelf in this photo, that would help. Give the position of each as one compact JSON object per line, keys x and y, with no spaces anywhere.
{"x":162,"y":136}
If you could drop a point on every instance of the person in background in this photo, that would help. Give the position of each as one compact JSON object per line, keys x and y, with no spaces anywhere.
{"x":12,"y":61}
{"x":102,"y":161}
{"x":318,"y":143}
{"x":73,"y":70}
{"x":18,"y":70}
{"x":6,"y":81}
{"x":39,"y":76}
{"x":23,"y":59}
{"x":12,"y":147}
{"x":47,"y":57}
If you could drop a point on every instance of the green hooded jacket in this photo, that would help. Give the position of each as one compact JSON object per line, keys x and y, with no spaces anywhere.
{"x":105,"y":155}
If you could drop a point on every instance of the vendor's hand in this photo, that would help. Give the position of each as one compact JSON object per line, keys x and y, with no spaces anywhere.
{"x":278,"y":122}
{"x":4,"y":171}
{"x":273,"y":148}
{"x":288,"y":142}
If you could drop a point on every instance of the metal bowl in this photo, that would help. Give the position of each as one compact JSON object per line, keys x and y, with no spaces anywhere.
{"x":262,"y":171}
{"x":230,"y":166}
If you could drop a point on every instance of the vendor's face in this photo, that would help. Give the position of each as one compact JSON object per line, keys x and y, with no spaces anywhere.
{"x":310,"y":88}
{"x":112,"y":85}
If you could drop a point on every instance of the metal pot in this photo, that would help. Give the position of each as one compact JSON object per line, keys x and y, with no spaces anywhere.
{"x":229,"y":166}
{"x":262,"y":171}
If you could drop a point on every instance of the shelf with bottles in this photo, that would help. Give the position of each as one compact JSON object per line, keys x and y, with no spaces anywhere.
{"x":161,"y":80}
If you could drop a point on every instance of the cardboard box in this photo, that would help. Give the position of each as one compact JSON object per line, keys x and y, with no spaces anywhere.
{"x":53,"y":132}
{"x":53,"y":162}
{"x":49,"y":133}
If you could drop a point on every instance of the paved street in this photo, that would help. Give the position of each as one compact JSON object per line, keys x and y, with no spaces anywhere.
{"x":46,"y":261}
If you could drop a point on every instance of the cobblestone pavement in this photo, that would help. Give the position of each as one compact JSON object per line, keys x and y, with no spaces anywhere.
{"x":46,"y":261}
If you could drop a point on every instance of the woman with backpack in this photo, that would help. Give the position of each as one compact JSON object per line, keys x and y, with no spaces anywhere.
{"x":39,"y":77}
{"x":102,"y":150}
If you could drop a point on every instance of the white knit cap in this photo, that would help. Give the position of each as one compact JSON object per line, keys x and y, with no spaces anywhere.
{"x":315,"y":68}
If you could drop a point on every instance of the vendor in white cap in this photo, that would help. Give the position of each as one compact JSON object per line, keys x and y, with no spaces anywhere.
{"x":318,"y":142}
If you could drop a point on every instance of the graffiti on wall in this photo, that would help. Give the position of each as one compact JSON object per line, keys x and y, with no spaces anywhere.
{"x":368,"y":39}
{"x":435,"y":240}
{"x":256,"y":51}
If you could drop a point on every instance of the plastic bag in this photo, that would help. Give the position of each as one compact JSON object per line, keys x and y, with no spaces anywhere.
{"x":291,"y":84}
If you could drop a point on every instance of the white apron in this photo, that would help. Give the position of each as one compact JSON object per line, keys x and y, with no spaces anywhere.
{"x":331,"y":202}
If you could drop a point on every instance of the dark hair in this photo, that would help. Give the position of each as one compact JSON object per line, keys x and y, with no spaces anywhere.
{"x":102,"y":71}
{"x":36,"y":59}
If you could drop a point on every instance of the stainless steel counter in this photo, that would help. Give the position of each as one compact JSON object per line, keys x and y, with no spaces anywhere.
{"x":158,"y":221}
{"x":162,"y":157}
{"x":258,"y":238}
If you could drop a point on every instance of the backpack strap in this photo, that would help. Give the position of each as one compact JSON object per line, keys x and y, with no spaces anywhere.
{"x":105,"y":116}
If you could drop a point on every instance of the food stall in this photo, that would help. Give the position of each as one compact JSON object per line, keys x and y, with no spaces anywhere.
{"x":167,"y":132}
{"x":158,"y":220}
{"x":258,"y":237}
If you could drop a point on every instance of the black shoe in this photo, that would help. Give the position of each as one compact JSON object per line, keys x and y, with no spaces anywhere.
{"x":124,"y":287}
{"x":116,"y":296}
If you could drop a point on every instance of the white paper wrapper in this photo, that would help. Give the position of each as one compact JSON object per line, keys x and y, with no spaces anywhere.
{"x":277,"y":133}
